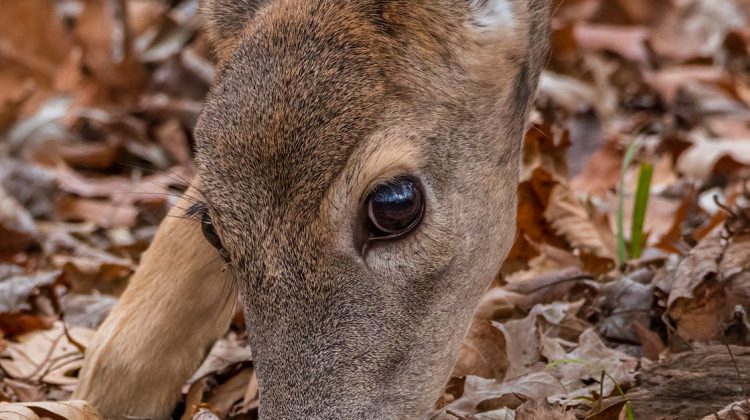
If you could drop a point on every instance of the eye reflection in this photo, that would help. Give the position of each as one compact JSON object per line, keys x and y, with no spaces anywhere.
{"x":395,"y":208}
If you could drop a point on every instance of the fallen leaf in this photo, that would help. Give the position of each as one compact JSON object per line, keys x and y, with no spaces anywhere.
{"x":224,"y":397}
{"x":739,"y":410}
{"x":652,"y":344}
{"x":627,"y":41}
{"x":15,"y":290}
{"x":482,"y":352}
{"x":571,"y":220}
{"x":602,"y":171}
{"x":100,"y":212}
{"x":17,"y":229}
{"x":700,"y":160}
{"x":36,"y":356}
{"x":488,"y":392}
{"x":622,"y":303}
{"x":68,"y":410}
{"x":708,"y":284}
{"x":577,"y":369}
{"x":541,"y":409}
{"x":225,"y":352}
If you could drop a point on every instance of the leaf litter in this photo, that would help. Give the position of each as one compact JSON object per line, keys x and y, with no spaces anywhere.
{"x":97,"y":103}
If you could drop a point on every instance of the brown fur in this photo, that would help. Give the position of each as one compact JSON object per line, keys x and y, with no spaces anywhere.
{"x":316,"y":101}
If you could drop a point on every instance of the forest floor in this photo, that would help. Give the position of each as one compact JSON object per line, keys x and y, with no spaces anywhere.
{"x":625,"y":295}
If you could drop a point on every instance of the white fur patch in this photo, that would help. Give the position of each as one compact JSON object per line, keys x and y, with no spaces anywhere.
{"x":494,"y":14}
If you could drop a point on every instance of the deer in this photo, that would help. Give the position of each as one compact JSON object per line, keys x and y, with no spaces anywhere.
{"x":357,"y":165}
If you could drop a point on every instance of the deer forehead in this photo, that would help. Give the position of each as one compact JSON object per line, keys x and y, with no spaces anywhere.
{"x":318,"y":99}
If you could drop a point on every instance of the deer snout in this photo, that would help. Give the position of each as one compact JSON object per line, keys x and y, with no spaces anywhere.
{"x":362,"y":358}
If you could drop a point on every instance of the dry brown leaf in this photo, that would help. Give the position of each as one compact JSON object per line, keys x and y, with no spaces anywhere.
{"x":13,"y":324}
{"x":482,"y":352}
{"x":17,"y":228}
{"x":542,"y":410}
{"x":701,"y":159}
{"x":572,"y":221}
{"x":99,"y":155}
{"x":15,"y":290}
{"x":707,"y":285}
{"x":614,"y":411}
{"x":251,"y":400}
{"x":739,"y":410}
{"x":602,"y":171}
{"x":529,"y":341}
{"x":224,"y":397}
{"x":68,"y":410}
{"x":622,"y":303}
{"x":226,"y":352}
{"x":25,"y":391}
{"x":697,"y":29}
{"x":652,"y":344}
{"x":32,"y":186}
{"x":577,"y":369}
{"x":172,"y":137}
{"x":487,"y":394}
{"x":42,"y":355}
{"x":100,"y":212}
{"x":627,"y":41}
{"x":668,"y":82}
{"x":194,"y":398}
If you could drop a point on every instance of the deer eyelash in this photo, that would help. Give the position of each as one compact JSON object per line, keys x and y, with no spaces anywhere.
{"x":196,"y":211}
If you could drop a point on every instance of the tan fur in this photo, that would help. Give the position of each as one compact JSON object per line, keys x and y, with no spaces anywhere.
{"x":316,"y":101}
{"x":176,"y":305}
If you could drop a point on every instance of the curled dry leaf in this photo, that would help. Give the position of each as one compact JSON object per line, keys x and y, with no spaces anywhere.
{"x":46,"y":356}
{"x":226,"y":395}
{"x":627,"y":41}
{"x":531,"y":340}
{"x":739,"y":410}
{"x":541,"y":409}
{"x":226,"y":352}
{"x":68,"y":410}
{"x":482,"y":352}
{"x":487,"y":394}
{"x":16,"y":289}
{"x":707,"y":285}
{"x":702,"y":158}
{"x":31,"y":185}
{"x":17,"y":228}
{"x":570,"y":219}
{"x":580,"y":370}
{"x":100,"y":212}
{"x":547,"y":285}
{"x":622,"y":303}
{"x":602,"y":171}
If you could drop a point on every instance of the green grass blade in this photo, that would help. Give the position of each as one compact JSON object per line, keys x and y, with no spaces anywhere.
{"x":622,"y":251}
{"x":628,"y":408}
{"x":642,"y":193}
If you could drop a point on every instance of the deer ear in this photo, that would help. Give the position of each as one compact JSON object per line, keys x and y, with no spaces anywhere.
{"x":224,"y":21}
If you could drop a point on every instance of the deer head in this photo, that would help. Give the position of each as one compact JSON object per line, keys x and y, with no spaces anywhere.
{"x":359,"y":162}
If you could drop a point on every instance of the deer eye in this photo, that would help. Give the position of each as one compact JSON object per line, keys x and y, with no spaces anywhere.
{"x":395,"y":208}
{"x":209,"y":232}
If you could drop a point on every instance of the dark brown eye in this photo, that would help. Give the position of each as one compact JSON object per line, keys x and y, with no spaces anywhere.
{"x":209,"y":232}
{"x":395,"y":208}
